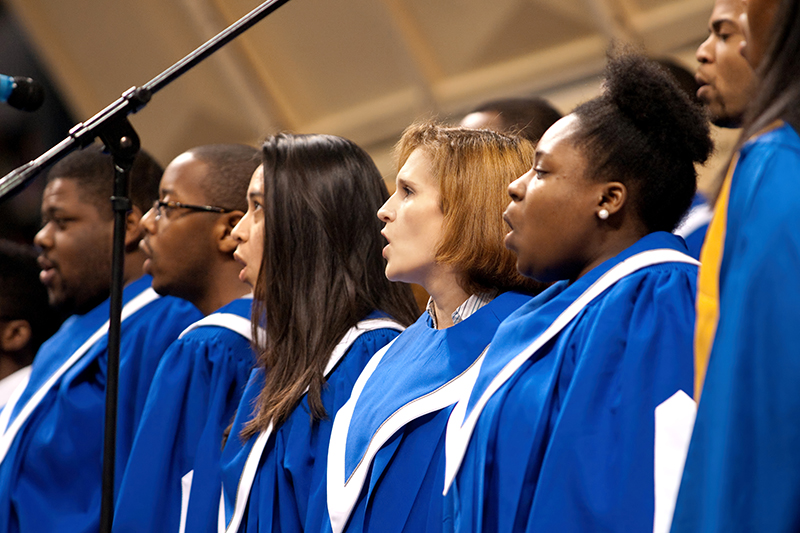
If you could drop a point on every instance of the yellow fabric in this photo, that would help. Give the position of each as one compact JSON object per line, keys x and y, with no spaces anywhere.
{"x":708,"y":283}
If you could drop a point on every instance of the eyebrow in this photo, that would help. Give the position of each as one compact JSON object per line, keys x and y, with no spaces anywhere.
{"x":717,"y":24}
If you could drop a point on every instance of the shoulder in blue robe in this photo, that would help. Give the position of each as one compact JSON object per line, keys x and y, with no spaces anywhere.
{"x":50,"y":479}
{"x":289,"y":492}
{"x":388,"y":460}
{"x":743,"y":468}
{"x":694,"y":226}
{"x":193,"y":398}
{"x":566,"y":444}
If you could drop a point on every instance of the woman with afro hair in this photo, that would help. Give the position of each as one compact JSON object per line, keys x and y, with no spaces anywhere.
{"x":564,"y":427}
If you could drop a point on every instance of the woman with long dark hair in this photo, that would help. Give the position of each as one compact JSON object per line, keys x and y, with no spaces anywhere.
{"x":743,"y":470}
{"x":444,"y":229}
{"x":311,"y":248}
{"x":560,"y":432}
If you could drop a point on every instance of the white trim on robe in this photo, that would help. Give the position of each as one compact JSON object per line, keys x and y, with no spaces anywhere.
{"x":698,"y":216}
{"x":9,"y":433}
{"x":343,"y":492}
{"x":237,"y":324}
{"x":459,"y":430}
{"x":254,"y":457}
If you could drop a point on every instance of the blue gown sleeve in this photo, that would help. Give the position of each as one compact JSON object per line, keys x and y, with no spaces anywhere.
{"x":54,"y":470}
{"x":192,"y":400}
{"x":743,"y":470}
{"x":289,"y":491}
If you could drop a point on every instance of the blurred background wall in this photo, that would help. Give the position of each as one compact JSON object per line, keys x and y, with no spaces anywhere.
{"x":364,"y":69}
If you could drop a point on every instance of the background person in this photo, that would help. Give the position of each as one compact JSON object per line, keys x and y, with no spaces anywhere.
{"x":444,"y":230}
{"x":200,"y":379}
{"x":558,"y":432}
{"x":526,"y":117}
{"x":26,"y":318}
{"x":742,"y":472}
{"x":311,"y":249}
{"x":51,"y":449}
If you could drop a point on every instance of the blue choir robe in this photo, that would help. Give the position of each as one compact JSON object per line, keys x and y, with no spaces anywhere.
{"x":386,"y":457}
{"x":743,"y":466}
{"x":288,"y":490}
{"x":193,"y":398}
{"x":52,"y":444}
{"x":694,"y":226}
{"x":559,"y":433}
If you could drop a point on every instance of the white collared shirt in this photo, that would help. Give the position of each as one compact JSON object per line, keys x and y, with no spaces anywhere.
{"x":465,"y":310}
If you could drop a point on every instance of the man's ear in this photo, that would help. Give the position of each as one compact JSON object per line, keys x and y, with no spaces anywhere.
{"x":225,"y":241}
{"x":15,"y":335}
{"x":613,"y":196}
{"x":133,"y":230}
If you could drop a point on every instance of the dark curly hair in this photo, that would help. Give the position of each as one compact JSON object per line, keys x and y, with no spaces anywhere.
{"x":644,"y":132}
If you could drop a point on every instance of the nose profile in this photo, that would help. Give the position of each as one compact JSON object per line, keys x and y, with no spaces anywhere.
{"x":240,"y":230}
{"x":385,"y":214}
{"x":148,"y":221}
{"x":43,"y":238}
{"x":703,"y":53}
{"x":516,"y":189}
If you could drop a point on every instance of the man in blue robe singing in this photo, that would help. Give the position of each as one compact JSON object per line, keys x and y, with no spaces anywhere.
{"x":200,"y":380}
{"x":51,"y":431}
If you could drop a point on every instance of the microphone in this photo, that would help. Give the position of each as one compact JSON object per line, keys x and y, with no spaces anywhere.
{"x":21,"y":93}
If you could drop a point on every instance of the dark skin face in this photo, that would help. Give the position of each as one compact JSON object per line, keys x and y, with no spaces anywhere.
{"x":555,"y":230}
{"x":727,"y":82}
{"x":183,"y":246}
{"x":75,"y":240}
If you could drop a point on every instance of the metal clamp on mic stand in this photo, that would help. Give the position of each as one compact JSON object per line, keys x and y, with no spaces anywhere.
{"x":111,"y":125}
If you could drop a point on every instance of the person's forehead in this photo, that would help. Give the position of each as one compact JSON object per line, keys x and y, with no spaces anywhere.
{"x":186,"y":177}
{"x":727,"y":10}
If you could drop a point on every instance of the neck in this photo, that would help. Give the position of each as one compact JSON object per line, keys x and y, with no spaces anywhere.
{"x":8,"y":366}
{"x":134,"y":268}
{"x":223,"y":288}
{"x":610,"y":245}
{"x":447,"y":295}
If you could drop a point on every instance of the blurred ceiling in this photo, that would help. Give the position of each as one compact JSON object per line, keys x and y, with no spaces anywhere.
{"x":363,"y":69}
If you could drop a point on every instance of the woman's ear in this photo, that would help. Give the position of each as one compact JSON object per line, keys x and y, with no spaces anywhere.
{"x":225,"y":241}
{"x":613,"y":196}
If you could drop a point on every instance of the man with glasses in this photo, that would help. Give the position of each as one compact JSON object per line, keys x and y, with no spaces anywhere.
{"x":51,"y":434}
{"x":26,"y":319}
{"x":199,"y":382}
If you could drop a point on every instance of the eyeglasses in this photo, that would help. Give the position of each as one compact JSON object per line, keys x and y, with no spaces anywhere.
{"x":162,"y":207}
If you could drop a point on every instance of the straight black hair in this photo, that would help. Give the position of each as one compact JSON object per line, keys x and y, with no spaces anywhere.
{"x":322,"y":269}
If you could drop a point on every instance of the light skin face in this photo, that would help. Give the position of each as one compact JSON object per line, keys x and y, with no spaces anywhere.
{"x":249,"y":232}
{"x":76,"y":240}
{"x":414,"y":228}
{"x":757,"y":21}
{"x":727,"y":82}
{"x":183,"y":247}
{"x":555,"y":230}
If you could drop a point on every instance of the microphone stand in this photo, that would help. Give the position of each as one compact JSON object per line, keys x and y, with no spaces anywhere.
{"x":114,"y":129}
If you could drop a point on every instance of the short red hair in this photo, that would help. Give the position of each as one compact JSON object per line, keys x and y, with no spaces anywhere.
{"x":473,"y":169}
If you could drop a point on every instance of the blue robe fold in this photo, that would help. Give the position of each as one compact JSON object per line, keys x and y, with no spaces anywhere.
{"x":288,"y":493}
{"x":566,"y":444}
{"x":50,"y":479}
{"x":403,"y":481}
{"x":193,"y":398}
{"x":743,"y":468}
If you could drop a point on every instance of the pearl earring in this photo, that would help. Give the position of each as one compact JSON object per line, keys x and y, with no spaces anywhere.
{"x":602,"y":214}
